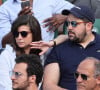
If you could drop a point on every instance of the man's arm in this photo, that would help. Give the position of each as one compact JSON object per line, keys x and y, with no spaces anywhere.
{"x":44,"y":46}
{"x":51,"y":77}
{"x":55,"y":21}
{"x":57,"y":18}
{"x":5,"y":24}
{"x":61,"y":38}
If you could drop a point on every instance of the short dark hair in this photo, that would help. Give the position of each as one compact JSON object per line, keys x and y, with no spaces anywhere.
{"x":34,"y":66}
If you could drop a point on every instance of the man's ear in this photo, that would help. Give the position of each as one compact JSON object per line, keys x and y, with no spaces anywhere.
{"x":89,"y":26}
{"x":32,"y":79}
{"x":98,"y":79}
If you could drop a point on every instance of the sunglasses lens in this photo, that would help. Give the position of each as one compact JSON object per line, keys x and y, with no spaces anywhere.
{"x":15,"y":34}
{"x":76,"y":75}
{"x":74,"y":23}
{"x":24,"y":33}
{"x":84,"y":77}
{"x":17,"y":74}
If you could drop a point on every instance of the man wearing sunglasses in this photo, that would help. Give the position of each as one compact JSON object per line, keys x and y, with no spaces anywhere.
{"x":27,"y":72}
{"x":88,"y":74}
{"x":63,"y":60}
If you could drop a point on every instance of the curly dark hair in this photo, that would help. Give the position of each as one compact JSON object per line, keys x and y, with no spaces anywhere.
{"x":34,"y":66}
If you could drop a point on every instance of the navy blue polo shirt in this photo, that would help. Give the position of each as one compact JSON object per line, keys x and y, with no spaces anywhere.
{"x":68,"y":55}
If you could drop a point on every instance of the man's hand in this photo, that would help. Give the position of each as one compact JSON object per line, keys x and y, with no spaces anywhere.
{"x":42,"y":45}
{"x":54,"y":22}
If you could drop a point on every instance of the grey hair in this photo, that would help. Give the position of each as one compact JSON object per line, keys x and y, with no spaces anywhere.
{"x":96,"y":65}
{"x":97,"y":69}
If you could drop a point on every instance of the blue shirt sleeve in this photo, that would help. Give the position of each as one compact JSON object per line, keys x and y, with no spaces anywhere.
{"x":52,"y":57}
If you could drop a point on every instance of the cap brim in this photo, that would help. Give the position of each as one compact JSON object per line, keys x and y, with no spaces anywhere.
{"x":65,"y":12}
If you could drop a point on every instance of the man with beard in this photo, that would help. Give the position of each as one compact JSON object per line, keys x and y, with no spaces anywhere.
{"x":88,"y":74}
{"x":63,"y":60}
{"x":27,"y":73}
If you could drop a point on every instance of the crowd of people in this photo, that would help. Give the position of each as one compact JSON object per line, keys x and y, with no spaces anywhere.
{"x":30,"y":56}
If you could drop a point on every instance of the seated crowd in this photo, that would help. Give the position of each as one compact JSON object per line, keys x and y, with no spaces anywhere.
{"x":32,"y":59}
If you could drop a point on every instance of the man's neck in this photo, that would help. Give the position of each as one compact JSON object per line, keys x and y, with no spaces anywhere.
{"x":33,"y":87}
{"x":97,"y":88}
{"x":89,"y":38}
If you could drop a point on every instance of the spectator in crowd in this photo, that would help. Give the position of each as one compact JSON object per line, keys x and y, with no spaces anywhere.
{"x":63,"y":60}
{"x":27,"y":72}
{"x":25,"y":29}
{"x":12,"y":8}
{"x":88,"y":74}
{"x":93,"y":4}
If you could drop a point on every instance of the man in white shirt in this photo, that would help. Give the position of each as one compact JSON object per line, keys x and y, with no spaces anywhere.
{"x":10,"y":9}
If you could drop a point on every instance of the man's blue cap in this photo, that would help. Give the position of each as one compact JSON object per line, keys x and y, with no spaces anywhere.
{"x":81,"y":12}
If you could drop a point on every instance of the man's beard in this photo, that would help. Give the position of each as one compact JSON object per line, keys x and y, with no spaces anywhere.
{"x":76,"y":39}
{"x":19,"y":88}
{"x":23,"y":86}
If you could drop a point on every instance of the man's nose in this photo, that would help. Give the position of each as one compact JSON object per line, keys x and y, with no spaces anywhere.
{"x":79,"y":79}
{"x":69,"y":27}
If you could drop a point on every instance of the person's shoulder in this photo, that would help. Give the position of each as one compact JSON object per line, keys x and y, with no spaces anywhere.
{"x":7,"y":57}
{"x":97,"y":34}
{"x":7,"y":50}
{"x":4,"y":6}
{"x":97,"y":37}
{"x":7,"y":4}
{"x":64,"y":44}
{"x":1,"y":50}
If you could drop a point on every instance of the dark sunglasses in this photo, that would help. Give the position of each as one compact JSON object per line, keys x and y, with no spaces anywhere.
{"x":73,"y":23}
{"x":16,"y":74}
{"x":23,"y":34}
{"x":83,"y":76}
